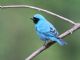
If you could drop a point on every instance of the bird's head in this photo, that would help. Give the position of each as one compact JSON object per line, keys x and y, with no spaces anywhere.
{"x":37,"y":17}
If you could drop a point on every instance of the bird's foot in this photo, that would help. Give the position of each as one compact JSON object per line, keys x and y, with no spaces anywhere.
{"x":45,"y":43}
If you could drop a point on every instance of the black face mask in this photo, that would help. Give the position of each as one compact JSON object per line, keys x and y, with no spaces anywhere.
{"x":35,"y":20}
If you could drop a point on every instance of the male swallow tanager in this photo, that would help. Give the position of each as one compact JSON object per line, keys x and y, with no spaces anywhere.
{"x":46,"y":30}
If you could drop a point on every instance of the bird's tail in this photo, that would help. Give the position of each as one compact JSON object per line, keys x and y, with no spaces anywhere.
{"x":59,"y":40}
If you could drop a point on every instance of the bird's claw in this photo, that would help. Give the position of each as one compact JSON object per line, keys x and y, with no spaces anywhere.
{"x":45,"y":43}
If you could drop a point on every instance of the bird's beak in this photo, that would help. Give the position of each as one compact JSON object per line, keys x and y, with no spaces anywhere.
{"x":31,"y":18}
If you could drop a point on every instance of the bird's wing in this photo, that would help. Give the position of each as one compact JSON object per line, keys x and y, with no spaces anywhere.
{"x":47,"y":29}
{"x":53,"y":31}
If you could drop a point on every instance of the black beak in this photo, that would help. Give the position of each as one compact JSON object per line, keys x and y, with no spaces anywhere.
{"x":31,"y":18}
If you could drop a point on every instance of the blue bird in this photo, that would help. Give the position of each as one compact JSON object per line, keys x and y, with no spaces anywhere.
{"x":46,"y":30}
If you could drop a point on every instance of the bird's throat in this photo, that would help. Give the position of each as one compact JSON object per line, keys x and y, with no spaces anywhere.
{"x":35,"y":21}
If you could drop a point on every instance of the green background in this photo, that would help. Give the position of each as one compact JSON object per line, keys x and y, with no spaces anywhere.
{"x":17,"y":35}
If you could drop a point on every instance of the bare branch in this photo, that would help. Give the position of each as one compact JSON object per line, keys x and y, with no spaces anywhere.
{"x":38,"y":51}
{"x":40,"y":9}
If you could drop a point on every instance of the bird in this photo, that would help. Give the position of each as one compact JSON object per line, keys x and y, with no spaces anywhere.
{"x":45,"y":30}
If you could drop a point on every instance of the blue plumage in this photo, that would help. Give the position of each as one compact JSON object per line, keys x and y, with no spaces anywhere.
{"x":46,"y":30}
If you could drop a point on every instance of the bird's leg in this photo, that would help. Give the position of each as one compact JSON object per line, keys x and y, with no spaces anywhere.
{"x":45,"y":42}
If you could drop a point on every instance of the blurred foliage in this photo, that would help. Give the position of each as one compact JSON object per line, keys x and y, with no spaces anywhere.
{"x":17,"y":35}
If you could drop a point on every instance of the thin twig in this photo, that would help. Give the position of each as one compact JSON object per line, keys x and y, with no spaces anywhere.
{"x":38,"y":51}
{"x":40,"y":9}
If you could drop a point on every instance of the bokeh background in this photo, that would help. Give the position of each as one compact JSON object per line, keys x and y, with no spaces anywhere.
{"x":17,"y":35}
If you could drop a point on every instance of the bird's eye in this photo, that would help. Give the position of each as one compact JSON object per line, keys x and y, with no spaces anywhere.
{"x":35,"y":18}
